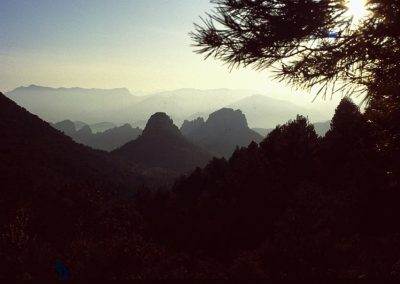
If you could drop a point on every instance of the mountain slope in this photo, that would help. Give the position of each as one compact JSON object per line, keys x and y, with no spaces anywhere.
{"x":161,"y":145}
{"x":64,"y":205}
{"x":60,"y":185}
{"x":66,"y":126}
{"x":39,"y":162}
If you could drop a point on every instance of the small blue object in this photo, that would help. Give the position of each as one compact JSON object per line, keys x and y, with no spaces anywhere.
{"x":61,"y":270}
{"x":332,"y":35}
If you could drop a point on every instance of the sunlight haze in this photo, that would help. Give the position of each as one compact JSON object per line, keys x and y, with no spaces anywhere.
{"x":141,"y":45}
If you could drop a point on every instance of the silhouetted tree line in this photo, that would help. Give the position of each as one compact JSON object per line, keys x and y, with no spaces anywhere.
{"x":297,"y":205}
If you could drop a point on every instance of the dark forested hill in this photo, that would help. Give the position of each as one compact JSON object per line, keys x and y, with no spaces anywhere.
{"x":223,"y":131}
{"x":163,"y":146}
{"x":32,"y":149}
{"x":294,"y":206}
{"x":55,"y":196}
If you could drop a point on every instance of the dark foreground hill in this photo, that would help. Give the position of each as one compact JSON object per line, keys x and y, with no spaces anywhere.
{"x":40,"y":155}
{"x":161,"y":145}
{"x":223,"y":131}
{"x":58,"y":199}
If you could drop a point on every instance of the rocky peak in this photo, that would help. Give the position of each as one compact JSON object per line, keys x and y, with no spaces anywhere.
{"x":190,"y":126}
{"x":227,"y":117}
{"x":158,"y":123}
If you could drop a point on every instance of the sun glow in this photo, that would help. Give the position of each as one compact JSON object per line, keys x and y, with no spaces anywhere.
{"x":357,"y":9}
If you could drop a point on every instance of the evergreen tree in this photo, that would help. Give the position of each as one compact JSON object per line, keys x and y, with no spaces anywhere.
{"x":309,"y":42}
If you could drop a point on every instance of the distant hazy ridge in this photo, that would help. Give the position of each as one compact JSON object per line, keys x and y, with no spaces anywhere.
{"x":119,"y":106}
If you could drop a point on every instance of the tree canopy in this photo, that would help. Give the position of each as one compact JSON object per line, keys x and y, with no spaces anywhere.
{"x":308,"y":42}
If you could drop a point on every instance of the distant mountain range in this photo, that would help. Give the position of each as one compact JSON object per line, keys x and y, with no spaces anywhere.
{"x":119,"y":106}
{"x":223,"y":131}
{"x":89,"y":105}
{"x":100,"y":127}
{"x":163,"y":146}
{"x":108,"y":140}
{"x":263,"y":111}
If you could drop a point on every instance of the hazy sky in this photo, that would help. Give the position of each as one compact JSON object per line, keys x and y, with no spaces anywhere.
{"x":139,"y":44}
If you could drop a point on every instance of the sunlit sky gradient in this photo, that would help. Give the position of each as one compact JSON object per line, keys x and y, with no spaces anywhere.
{"x":139,"y":44}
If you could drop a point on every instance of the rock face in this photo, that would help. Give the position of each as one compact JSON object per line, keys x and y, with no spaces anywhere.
{"x":224,"y":130}
{"x":189,"y":127}
{"x":163,"y":146}
{"x":160,"y":124}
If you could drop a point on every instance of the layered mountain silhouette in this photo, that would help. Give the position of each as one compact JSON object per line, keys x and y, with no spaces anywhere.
{"x":96,"y":127}
{"x":162,"y":145}
{"x":119,"y":106}
{"x":183,"y":103}
{"x":67,"y":127}
{"x":101,"y":126}
{"x":223,"y":131}
{"x":108,"y":140}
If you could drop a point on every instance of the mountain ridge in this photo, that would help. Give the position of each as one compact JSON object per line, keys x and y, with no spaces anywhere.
{"x":162,"y":145}
{"x":119,"y":106}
